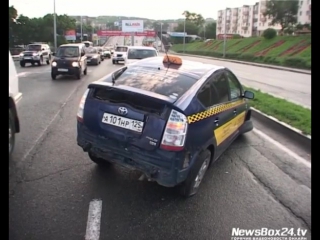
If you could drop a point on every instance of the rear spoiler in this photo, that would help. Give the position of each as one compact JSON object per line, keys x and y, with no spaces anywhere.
{"x":132,"y":91}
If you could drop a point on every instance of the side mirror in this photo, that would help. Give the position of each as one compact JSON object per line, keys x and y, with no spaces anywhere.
{"x":53,"y":54}
{"x":248,"y":94}
{"x":82,"y":54}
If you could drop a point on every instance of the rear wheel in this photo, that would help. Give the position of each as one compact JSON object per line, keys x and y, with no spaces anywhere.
{"x":113,"y":62}
{"x":85,"y":71}
{"x":99,"y":161}
{"x":191,"y":185}
{"x":48,"y":62}
{"x":11,"y":132}
{"x":22,"y":64}
{"x":78,"y":75}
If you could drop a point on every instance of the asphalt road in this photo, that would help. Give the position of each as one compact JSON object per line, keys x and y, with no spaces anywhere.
{"x":295,"y":87}
{"x":52,"y":182}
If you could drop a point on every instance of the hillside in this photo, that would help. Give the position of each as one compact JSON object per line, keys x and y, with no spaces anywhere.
{"x":289,"y":51}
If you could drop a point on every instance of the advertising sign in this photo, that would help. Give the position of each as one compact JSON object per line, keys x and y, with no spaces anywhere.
{"x":177,"y":34}
{"x":106,"y":33}
{"x":95,"y":37}
{"x":70,"y":35}
{"x":132,"y":25}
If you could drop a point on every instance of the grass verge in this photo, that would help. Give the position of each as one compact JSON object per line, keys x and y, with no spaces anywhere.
{"x":287,"y":112}
{"x":287,"y":51}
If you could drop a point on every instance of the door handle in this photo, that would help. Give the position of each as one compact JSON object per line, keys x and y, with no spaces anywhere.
{"x":235,"y":111}
{"x":216,"y":121}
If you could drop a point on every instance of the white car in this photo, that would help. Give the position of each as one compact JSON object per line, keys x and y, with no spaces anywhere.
{"x":120,"y":54}
{"x":14,"y":97}
{"x":136,"y":53}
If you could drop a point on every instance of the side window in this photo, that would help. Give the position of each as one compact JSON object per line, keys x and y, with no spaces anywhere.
{"x":234,"y":85}
{"x":220,"y":84}
{"x":205,"y":95}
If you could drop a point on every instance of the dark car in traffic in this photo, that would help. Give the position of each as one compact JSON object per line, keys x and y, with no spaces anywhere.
{"x":70,"y":59}
{"x":168,"y":118}
{"x":93,"y":56}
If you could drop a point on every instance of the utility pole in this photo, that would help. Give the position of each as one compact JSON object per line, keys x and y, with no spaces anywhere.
{"x":54,"y":25}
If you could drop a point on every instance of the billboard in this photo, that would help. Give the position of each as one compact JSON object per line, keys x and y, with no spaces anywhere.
{"x":106,"y":33}
{"x":132,"y":25}
{"x":70,"y":35}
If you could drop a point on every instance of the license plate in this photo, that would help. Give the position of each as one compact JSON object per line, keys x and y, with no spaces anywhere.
{"x":88,"y":60}
{"x":122,"y":122}
{"x":27,"y":58}
{"x":62,"y":70}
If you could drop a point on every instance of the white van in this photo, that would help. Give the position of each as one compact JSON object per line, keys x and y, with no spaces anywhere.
{"x":14,"y":97}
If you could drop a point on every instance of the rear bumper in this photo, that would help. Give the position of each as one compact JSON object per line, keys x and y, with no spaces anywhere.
{"x":92,"y":61}
{"x":71,"y":71}
{"x":161,"y":166}
{"x":118,"y":59}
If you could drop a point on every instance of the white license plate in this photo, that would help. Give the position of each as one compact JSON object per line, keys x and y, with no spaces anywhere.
{"x":88,"y":60}
{"x":62,"y":70}
{"x":122,"y":122}
{"x":27,"y":57}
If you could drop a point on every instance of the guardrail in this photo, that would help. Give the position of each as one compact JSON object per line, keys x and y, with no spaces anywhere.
{"x":295,"y":135}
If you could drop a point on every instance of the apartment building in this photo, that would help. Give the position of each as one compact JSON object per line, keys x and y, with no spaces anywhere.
{"x":304,"y":13}
{"x":249,"y":20}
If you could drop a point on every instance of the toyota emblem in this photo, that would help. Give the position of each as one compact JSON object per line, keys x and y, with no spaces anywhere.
{"x":123,"y":111}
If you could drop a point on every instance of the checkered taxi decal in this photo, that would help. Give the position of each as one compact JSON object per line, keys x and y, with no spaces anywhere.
{"x":213,"y":111}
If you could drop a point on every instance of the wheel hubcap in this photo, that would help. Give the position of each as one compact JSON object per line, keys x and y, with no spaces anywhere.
{"x":201,"y":173}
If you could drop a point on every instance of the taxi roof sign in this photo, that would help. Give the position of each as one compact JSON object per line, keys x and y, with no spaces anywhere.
{"x":172,"y":59}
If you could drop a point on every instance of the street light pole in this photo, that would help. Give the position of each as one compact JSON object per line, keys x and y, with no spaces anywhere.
{"x":161,"y":36}
{"x":81,"y":29}
{"x":54,"y":25}
{"x":225,"y":34}
{"x":184,"y":34}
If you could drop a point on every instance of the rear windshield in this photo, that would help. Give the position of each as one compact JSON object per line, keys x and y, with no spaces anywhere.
{"x":167,"y":83}
{"x":33,"y":48}
{"x":121,"y":49}
{"x":141,"y":53}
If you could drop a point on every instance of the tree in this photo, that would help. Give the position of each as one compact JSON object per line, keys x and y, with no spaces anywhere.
{"x":157,"y":26}
{"x":210,"y":32}
{"x":282,"y":12}
{"x":191,"y":28}
{"x":195,"y":18}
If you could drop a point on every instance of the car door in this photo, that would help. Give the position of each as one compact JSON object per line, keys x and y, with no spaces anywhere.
{"x":83,"y":58}
{"x":223,"y":119}
{"x":236,"y":98}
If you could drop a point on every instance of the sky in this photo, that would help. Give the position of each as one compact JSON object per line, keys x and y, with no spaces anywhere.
{"x":168,"y":9}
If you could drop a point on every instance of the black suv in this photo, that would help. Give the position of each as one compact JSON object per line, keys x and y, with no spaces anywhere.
{"x":38,"y":53}
{"x":70,"y":59}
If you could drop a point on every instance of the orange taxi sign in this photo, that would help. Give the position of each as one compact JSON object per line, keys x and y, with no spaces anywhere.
{"x":172,"y":59}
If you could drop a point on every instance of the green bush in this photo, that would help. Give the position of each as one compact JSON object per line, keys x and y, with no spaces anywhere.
{"x":269,"y":33}
{"x":295,"y":62}
{"x":236,"y":36}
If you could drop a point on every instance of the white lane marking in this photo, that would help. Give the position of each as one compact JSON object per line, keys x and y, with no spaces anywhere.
{"x":94,"y":218}
{"x":23,"y":74}
{"x":283,"y":148}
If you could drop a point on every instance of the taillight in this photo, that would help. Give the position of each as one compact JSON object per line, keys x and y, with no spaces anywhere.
{"x":81,"y":106}
{"x":174,"y":135}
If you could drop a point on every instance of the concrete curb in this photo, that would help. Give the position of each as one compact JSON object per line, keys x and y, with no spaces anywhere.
{"x":283,"y":128}
{"x":250,"y":63}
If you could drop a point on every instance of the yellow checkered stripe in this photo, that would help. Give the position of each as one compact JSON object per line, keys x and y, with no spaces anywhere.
{"x":213,"y":111}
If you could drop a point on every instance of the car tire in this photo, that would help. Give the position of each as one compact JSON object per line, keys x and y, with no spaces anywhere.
{"x":78,"y":75}
{"x":113,"y":62}
{"x":85,"y":71}
{"x":41,"y":61}
{"x":48,"y":62}
{"x":22,"y":64}
{"x":191,"y":185}
{"x":99,"y":161}
{"x":12,"y":132}
{"x":53,"y":76}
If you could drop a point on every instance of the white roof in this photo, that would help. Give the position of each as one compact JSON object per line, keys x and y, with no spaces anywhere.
{"x":141,"y":47}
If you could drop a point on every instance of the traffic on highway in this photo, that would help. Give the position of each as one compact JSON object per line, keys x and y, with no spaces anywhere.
{"x":125,"y":141}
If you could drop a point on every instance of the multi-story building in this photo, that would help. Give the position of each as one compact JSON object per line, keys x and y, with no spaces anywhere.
{"x":304,"y":13}
{"x":249,"y":20}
